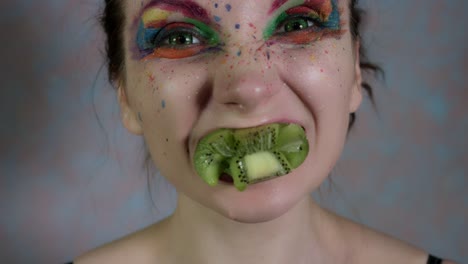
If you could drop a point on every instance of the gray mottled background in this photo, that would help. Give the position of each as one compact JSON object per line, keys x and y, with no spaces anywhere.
{"x":72,"y":178}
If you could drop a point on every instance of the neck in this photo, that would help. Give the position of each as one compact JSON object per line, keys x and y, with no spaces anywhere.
{"x":200,"y":235}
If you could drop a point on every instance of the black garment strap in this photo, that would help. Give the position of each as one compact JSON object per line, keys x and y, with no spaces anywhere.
{"x":434,"y":260}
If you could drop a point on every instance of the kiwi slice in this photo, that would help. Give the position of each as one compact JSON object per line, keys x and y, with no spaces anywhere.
{"x":212,"y":153}
{"x":251,"y":155}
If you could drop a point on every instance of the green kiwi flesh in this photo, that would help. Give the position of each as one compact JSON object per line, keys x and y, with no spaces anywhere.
{"x":251,"y":155}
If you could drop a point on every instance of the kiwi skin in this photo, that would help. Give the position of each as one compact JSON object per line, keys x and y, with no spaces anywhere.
{"x":211,"y":154}
{"x":225,"y":150}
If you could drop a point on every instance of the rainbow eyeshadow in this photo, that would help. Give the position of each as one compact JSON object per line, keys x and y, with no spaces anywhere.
{"x":157,"y":37}
{"x":313,"y":20}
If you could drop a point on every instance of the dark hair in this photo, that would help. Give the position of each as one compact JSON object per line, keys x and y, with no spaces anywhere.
{"x":113,"y":21}
{"x":356,"y":16}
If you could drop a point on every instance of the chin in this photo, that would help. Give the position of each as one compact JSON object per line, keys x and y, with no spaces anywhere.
{"x":261,"y":202}
{"x":261,"y":215}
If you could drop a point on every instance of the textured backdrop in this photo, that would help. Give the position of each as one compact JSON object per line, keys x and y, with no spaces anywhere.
{"x":72,"y":178}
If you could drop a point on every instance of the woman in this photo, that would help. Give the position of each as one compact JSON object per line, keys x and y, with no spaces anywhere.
{"x":187,"y":69}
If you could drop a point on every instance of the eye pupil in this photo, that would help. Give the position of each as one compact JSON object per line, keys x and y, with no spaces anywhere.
{"x":181,"y":39}
{"x":296,"y":25}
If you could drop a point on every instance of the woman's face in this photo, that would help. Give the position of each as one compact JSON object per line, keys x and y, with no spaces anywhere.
{"x":198,"y":65}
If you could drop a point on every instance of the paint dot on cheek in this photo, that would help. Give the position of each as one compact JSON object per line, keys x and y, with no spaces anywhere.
{"x":237,"y":26}
{"x":163,"y":104}
{"x":217,"y":18}
{"x":228,"y":7}
{"x":151,"y":77}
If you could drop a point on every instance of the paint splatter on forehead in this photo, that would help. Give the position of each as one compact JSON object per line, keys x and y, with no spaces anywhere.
{"x":188,"y":8}
{"x":323,"y":7}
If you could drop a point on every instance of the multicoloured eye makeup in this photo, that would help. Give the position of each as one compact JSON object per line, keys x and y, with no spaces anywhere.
{"x":172,"y":30}
{"x":307,"y":21}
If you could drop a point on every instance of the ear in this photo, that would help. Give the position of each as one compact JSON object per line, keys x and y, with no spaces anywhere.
{"x":128,"y":116}
{"x":356,"y":92}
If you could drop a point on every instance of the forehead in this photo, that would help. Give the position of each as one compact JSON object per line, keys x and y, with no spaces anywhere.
{"x":248,"y":8}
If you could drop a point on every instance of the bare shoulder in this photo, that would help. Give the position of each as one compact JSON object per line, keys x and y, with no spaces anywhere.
{"x":140,"y":248}
{"x":371,"y":246}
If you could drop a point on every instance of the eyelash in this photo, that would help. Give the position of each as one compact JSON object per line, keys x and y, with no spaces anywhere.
{"x":162,"y":37}
{"x":311,"y":23}
{"x":316,"y":28}
{"x":157,"y":44}
{"x":154,"y":43}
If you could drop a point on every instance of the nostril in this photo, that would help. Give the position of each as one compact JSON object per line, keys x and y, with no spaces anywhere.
{"x":234,"y":105}
{"x":247,"y":89}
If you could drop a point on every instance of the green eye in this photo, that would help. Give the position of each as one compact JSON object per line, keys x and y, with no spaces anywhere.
{"x":297,"y":24}
{"x":181,"y":39}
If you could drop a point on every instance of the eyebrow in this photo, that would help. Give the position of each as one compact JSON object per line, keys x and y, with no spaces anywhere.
{"x":187,"y":7}
{"x":314,"y":4}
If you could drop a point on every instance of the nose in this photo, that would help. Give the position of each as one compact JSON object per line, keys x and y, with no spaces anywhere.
{"x":245,"y":82}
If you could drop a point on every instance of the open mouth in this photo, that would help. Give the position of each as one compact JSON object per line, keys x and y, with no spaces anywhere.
{"x":226,"y":178}
{"x":250,"y":155}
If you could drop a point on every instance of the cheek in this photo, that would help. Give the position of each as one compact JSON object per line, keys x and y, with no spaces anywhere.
{"x":167,"y":102}
{"x":322,"y":75}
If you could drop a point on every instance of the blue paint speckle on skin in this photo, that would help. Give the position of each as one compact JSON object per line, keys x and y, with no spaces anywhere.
{"x":217,"y":18}
{"x":237,"y":26}
{"x":239,"y":53}
{"x":163,"y":104}
{"x":228,"y":7}
{"x":216,"y":5}
{"x":268,"y":54}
